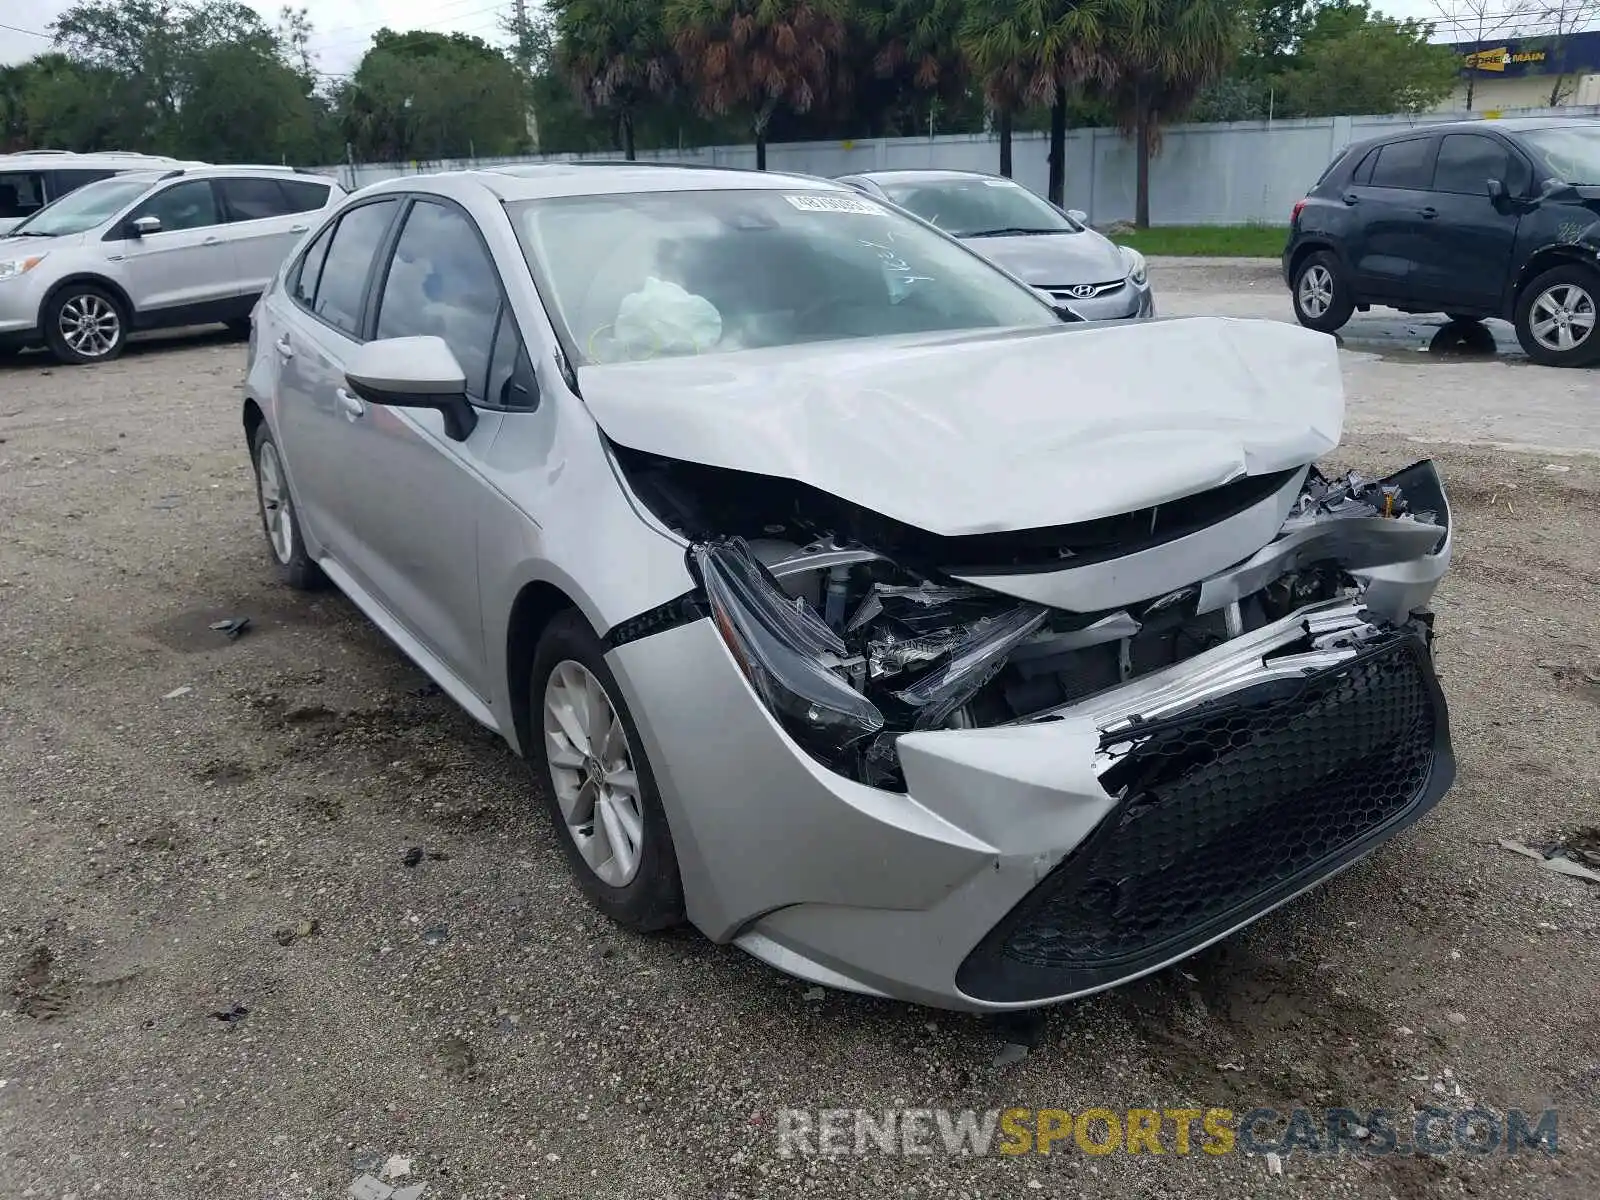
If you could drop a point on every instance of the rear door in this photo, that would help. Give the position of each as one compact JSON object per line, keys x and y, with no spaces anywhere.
{"x":266,"y":219}
{"x":1389,"y":192}
{"x":1467,"y":240}
{"x":328,"y":289}
{"x":184,"y":273}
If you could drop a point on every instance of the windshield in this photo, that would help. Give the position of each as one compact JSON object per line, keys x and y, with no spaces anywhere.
{"x":642,"y":275}
{"x":1572,"y":153}
{"x":978,"y":207}
{"x":90,"y":205}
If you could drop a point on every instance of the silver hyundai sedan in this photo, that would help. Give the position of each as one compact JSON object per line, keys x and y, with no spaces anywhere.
{"x":1052,"y":249}
{"x":847,"y":600}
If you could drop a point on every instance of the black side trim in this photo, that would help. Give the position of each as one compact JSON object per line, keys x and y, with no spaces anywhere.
{"x":685,"y":610}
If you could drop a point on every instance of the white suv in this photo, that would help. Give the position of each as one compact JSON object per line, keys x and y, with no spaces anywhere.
{"x":148,"y":250}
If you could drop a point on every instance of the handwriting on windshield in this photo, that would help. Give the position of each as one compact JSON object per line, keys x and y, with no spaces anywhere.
{"x":898,"y":268}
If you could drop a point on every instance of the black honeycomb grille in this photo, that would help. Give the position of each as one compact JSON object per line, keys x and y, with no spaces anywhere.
{"x":1228,"y":808}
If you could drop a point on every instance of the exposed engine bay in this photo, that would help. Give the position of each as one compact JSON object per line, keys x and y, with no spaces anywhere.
{"x":854,"y":630}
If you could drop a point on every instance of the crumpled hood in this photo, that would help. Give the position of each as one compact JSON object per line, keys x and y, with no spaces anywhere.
{"x":1044,"y":259}
{"x":993,"y":431}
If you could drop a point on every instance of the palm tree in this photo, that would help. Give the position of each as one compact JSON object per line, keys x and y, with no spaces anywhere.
{"x":1154,"y":56}
{"x":1026,"y":52}
{"x":616,"y":55}
{"x":917,"y":42}
{"x":759,"y":55}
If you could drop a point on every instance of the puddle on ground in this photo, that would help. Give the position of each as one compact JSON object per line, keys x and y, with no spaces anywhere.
{"x":1398,"y":339}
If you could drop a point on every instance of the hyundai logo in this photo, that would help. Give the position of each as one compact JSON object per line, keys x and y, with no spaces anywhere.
{"x":1081,"y":291}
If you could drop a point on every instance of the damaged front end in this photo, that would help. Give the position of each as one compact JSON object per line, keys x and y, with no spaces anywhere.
{"x":855,"y":631}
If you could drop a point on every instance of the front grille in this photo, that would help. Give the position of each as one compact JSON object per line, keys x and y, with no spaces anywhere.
{"x":1225,"y":811}
{"x":1065,"y":292}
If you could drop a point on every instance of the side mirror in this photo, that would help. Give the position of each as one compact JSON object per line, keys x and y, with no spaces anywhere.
{"x":144,"y":226}
{"x":1497,"y":191}
{"x":414,"y":372}
{"x":1078,"y":215}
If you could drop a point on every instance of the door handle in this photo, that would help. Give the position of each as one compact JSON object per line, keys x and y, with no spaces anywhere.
{"x":284,"y":348}
{"x":353,"y":406}
{"x":1351,"y":198}
{"x":212,"y":241}
{"x":298,"y":228}
{"x":1428,"y":213}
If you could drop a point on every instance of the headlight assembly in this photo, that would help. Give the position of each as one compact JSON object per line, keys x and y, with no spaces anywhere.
{"x":15,"y":268}
{"x":1135,"y":264}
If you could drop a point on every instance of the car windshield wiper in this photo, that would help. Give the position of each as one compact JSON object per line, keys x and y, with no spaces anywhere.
{"x":26,"y":233}
{"x":1012,"y":232}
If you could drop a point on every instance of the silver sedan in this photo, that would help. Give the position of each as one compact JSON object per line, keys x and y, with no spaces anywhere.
{"x":1046,"y":247}
{"x":846,"y":601}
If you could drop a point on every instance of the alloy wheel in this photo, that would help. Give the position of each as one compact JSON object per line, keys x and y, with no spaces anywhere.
{"x":1316,"y":291}
{"x":89,"y":324}
{"x":592,"y":773}
{"x":1562,"y":317}
{"x":276,"y":510}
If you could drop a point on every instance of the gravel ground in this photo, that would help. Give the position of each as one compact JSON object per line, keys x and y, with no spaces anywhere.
{"x":274,"y":914}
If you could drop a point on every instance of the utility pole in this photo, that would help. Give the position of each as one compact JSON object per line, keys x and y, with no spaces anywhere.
{"x":524,"y":51}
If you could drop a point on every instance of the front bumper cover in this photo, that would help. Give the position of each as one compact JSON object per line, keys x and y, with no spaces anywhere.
{"x":932,"y":896}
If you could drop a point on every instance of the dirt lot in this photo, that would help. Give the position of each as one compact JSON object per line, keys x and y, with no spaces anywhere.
{"x":273,"y":911}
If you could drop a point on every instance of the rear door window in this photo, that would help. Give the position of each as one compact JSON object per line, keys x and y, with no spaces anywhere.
{"x":252,"y":199}
{"x":1406,"y":164}
{"x":342,"y":290}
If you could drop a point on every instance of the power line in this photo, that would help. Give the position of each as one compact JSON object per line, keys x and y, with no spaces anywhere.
{"x":29,"y":32}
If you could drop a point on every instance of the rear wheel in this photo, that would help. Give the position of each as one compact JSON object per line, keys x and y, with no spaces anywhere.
{"x":85,"y":324}
{"x":279,"y":518}
{"x":1556,"y":317}
{"x":1322,"y":296}
{"x":602,"y":796}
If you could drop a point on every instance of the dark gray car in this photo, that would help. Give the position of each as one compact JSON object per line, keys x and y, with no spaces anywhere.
{"x":1052,"y":249}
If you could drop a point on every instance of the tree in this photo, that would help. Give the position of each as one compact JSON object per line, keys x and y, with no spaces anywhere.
{"x":915,"y":51}
{"x":1156,"y":56}
{"x":1558,"y":20}
{"x":616,"y":55}
{"x":424,"y":95}
{"x":755,"y":56}
{"x":1032,"y":52}
{"x":1355,"y":60}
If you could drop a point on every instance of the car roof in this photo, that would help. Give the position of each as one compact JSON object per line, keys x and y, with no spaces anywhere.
{"x":45,"y":159}
{"x":533,"y":181}
{"x":1503,"y":124}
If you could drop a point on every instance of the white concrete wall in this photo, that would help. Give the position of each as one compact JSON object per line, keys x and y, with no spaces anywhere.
{"x":1235,"y":174}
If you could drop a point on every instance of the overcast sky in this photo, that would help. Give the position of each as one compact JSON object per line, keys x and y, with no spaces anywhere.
{"x":344,"y":27}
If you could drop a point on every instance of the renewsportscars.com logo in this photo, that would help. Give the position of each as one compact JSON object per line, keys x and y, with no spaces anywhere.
{"x":1181,"y":1131}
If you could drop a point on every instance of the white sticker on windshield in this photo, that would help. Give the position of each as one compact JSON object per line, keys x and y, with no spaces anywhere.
{"x":1001,"y":183}
{"x":835,"y":204}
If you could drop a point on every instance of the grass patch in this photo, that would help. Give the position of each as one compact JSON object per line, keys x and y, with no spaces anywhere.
{"x":1210,"y":241}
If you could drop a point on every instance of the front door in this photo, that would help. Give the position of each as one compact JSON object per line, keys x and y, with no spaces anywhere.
{"x":414,"y":494}
{"x":1467,"y":239}
{"x":183,"y":272}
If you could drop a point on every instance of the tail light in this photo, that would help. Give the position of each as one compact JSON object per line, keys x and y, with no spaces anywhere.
{"x":1294,"y":216}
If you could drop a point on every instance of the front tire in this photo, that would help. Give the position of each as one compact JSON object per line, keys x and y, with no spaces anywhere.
{"x":1556,"y":317}
{"x":587,"y":757}
{"x":1322,"y":296}
{"x":280,"y":520}
{"x":85,"y":324}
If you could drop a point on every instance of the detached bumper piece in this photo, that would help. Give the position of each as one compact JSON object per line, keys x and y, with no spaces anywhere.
{"x":1226,"y":811}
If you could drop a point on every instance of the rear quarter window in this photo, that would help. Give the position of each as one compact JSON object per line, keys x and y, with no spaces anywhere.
{"x":304,"y":195}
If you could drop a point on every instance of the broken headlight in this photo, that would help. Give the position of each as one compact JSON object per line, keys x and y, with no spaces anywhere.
{"x":790,"y":657}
